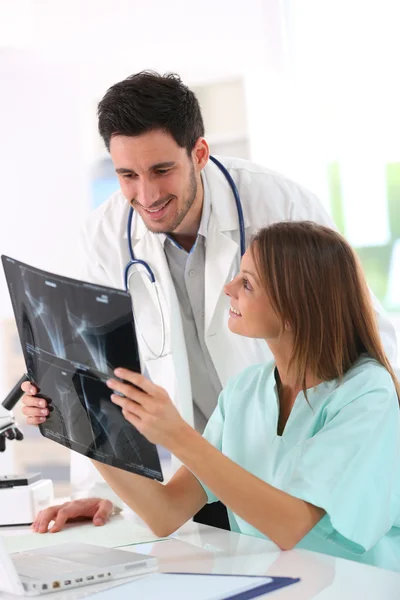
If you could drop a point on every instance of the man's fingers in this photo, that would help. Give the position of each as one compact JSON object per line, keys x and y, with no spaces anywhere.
{"x":30,"y":411}
{"x":28,"y":400}
{"x":28,"y":388}
{"x":35,"y":523}
{"x":43,"y":518}
{"x":35,"y":420}
{"x":97,"y":509}
{"x":62,"y":517}
{"x":35,"y":416}
{"x":103,"y":513}
{"x":35,"y":409}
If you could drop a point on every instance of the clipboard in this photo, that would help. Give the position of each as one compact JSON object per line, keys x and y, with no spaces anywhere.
{"x":197,"y":586}
{"x":267,"y":584}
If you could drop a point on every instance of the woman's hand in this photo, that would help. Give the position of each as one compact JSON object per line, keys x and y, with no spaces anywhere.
{"x":149,"y":408}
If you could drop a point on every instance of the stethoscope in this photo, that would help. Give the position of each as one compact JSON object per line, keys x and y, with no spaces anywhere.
{"x":136,"y":261}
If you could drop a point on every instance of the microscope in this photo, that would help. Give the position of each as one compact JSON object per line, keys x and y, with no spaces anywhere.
{"x":8,"y":427}
{"x":21,"y":496}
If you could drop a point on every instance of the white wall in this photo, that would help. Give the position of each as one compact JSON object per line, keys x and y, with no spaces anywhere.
{"x":56,"y":61}
{"x":49,"y":93}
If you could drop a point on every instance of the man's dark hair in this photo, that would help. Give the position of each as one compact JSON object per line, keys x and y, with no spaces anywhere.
{"x":147,"y":101}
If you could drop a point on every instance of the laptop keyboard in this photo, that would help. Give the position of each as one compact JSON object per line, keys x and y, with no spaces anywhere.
{"x":29,"y":565}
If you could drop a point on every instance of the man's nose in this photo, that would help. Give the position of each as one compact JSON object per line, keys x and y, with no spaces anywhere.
{"x":146,"y":193}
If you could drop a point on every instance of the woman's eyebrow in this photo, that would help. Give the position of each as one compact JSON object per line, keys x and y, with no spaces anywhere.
{"x":251,"y":273}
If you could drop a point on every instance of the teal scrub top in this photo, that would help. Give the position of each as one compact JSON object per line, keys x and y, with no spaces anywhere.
{"x":339,"y":451}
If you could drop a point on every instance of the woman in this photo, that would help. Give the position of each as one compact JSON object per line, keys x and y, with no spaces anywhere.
{"x":305,"y":450}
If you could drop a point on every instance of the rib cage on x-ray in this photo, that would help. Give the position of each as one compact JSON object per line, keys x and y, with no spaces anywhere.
{"x":73,"y":336}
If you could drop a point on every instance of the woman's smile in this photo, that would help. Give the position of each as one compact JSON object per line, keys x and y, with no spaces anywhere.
{"x":234,"y":312}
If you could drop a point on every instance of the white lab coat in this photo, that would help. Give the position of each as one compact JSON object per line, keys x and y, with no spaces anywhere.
{"x":266,"y":198}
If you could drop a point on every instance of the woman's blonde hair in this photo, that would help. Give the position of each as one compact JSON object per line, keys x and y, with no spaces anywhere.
{"x":315,"y":283}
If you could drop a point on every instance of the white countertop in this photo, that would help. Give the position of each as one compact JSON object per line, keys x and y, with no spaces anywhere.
{"x":199,"y":548}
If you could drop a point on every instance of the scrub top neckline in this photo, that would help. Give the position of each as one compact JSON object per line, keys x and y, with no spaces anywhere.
{"x":312,"y":391}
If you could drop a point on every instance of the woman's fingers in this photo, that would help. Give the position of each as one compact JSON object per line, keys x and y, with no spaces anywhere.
{"x":137,"y":379}
{"x":135,"y":421}
{"x":128,"y":391}
{"x":131,"y":411}
{"x":128,"y":405}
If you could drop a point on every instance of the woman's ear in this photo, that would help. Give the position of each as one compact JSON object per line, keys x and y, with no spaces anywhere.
{"x":287,"y":326}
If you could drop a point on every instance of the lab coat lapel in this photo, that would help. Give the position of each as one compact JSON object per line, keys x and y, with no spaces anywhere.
{"x":222,"y":245}
{"x":163,"y":370}
{"x":222,"y":256}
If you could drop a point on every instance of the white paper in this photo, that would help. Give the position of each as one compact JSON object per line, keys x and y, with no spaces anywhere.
{"x":182,"y":586}
{"x":110,"y":535}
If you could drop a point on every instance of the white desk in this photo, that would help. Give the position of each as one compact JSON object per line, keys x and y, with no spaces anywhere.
{"x":199,"y":548}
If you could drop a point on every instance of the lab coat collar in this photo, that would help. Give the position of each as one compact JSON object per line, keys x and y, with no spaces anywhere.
{"x":205,"y":215}
{"x":223,"y":203}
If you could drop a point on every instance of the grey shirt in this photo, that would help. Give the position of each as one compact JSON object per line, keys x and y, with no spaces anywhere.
{"x":187,"y":271}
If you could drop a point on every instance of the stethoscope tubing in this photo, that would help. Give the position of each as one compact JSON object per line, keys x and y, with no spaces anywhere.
{"x":135,"y":261}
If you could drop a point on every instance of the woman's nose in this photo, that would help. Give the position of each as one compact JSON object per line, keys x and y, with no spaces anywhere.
{"x":229,"y":287}
{"x":226,"y":289}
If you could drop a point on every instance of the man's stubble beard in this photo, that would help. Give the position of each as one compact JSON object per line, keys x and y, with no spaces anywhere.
{"x":192,"y":193}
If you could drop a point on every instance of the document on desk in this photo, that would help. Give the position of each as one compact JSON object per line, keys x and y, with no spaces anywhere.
{"x":181,"y":586}
{"x":111,"y":535}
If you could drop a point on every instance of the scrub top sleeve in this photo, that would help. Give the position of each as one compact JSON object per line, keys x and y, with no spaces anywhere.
{"x":351,"y":469}
{"x":213,"y":434}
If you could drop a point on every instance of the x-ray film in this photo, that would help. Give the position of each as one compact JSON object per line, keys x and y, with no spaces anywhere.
{"x":73,"y":335}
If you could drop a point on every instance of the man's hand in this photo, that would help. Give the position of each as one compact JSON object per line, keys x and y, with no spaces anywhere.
{"x":148,"y":407}
{"x":97,"y":509}
{"x":35,"y":409}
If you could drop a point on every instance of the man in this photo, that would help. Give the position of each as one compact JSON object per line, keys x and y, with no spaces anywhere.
{"x":185,"y":227}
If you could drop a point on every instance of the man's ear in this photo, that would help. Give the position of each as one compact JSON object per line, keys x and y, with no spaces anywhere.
{"x":200,"y":154}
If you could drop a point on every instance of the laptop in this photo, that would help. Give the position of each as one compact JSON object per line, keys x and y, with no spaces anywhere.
{"x":57,"y":568}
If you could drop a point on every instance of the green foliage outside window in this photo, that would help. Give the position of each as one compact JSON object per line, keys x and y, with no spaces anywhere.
{"x":376,"y":260}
